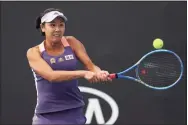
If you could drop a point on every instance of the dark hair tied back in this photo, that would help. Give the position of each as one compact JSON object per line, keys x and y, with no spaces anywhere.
{"x":38,"y":22}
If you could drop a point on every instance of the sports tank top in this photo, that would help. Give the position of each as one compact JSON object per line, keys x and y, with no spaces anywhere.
{"x":58,"y":96}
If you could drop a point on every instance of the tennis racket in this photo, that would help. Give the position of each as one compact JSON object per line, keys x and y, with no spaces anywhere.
{"x":159,"y":69}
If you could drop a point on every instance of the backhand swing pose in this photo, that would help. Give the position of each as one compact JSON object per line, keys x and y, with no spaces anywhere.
{"x":53,"y":62}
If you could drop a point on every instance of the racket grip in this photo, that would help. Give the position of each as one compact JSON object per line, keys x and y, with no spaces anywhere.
{"x":113,"y":76}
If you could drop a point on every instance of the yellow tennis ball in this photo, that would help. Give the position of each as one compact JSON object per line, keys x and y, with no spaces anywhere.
{"x":158,"y":43}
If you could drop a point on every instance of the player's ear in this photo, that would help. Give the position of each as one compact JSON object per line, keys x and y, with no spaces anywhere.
{"x":42,"y":27}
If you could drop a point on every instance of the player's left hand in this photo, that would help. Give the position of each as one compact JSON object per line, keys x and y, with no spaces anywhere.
{"x":102,"y":76}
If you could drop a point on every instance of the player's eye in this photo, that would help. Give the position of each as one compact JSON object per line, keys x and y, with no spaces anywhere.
{"x":61,"y":25}
{"x":52,"y":25}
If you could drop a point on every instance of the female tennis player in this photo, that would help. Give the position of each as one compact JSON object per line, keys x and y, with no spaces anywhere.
{"x":53,"y":62}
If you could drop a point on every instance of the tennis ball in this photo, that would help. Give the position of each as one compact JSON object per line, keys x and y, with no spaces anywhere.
{"x":158,"y":43}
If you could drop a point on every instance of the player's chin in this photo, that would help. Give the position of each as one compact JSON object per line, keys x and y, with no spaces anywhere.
{"x":56,"y":39}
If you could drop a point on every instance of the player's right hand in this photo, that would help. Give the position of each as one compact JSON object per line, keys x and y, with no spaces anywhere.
{"x":89,"y":76}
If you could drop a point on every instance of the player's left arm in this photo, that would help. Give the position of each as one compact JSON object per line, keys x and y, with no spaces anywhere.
{"x":81,"y":53}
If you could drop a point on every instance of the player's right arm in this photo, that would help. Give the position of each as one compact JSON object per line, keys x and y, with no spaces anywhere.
{"x":42,"y":68}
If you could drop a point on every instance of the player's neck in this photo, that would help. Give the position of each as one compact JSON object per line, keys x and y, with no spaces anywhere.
{"x":53,"y":46}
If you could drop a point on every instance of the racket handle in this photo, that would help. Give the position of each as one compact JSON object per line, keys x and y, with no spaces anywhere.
{"x":113,"y":76}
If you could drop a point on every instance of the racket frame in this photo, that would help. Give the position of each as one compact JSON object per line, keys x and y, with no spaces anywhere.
{"x":121,"y":74}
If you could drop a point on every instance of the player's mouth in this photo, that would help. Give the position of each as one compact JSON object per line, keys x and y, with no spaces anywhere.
{"x":57,"y":35}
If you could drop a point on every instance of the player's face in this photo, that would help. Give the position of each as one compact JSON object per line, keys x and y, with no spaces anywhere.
{"x":54,"y":30}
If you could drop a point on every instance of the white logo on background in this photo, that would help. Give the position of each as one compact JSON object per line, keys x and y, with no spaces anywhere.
{"x":94,"y":107}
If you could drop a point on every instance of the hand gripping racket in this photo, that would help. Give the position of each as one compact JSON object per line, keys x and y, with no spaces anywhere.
{"x":159,"y":69}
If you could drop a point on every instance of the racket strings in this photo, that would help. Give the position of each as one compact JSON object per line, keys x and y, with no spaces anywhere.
{"x":164,"y":65}
{"x":159,"y":69}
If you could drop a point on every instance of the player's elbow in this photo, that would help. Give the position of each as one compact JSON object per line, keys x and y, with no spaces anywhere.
{"x":51,"y":79}
{"x":50,"y":76}
{"x":54,"y":77}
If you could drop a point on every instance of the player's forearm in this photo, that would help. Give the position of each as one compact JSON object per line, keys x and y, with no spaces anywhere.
{"x":58,"y":76}
{"x":94,"y":68}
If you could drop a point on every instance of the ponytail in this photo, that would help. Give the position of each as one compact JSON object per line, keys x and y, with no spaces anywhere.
{"x":38,"y":22}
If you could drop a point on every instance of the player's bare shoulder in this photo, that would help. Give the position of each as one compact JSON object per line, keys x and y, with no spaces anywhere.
{"x":70,"y":39}
{"x":33,"y":51}
{"x":73,"y":41}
